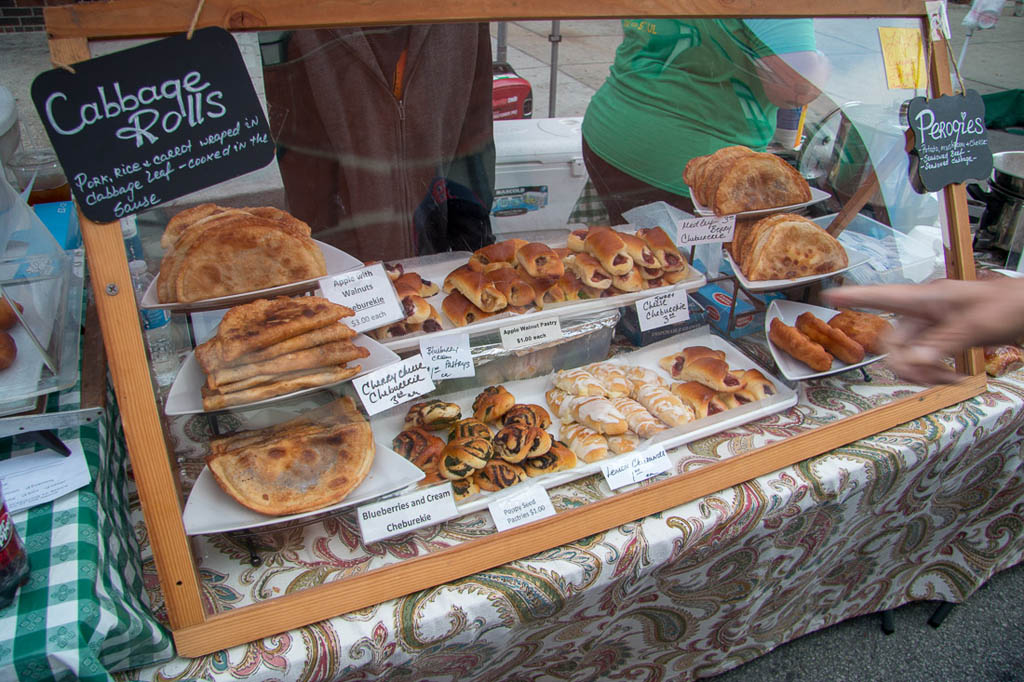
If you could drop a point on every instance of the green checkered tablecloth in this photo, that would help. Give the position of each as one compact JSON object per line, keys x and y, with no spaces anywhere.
{"x":82,"y":613}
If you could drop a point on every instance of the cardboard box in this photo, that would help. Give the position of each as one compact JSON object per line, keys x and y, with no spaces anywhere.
{"x":718,"y":301}
{"x":629,"y":325}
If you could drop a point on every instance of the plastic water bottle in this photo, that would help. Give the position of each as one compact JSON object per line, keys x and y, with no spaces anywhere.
{"x":132,"y":240}
{"x":157,"y":330}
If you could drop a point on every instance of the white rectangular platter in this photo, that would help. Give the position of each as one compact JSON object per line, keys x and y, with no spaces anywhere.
{"x":185,"y":396}
{"x":211,"y":510}
{"x":388,"y":424}
{"x":435,"y":268}
{"x":336,"y":261}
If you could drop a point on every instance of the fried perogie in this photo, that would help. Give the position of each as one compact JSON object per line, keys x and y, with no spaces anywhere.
{"x":757,"y":181}
{"x":790,"y":247}
{"x":796,"y":344}
{"x":832,"y":339}
{"x":864,"y":328}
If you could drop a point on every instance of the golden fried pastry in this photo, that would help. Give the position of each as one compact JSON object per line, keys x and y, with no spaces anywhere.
{"x":832,"y":339}
{"x":795,"y":343}
{"x":757,"y":181}
{"x":864,"y":328}
{"x":793,"y":247}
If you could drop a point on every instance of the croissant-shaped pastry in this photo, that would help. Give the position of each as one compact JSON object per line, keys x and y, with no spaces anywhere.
{"x":589,"y":445}
{"x":609,"y":249}
{"x":698,"y":397}
{"x":673,"y":364}
{"x":539,"y":260}
{"x":641,"y":422}
{"x":415,"y":284}
{"x":660,"y":402}
{"x":415,"y":307}
{"x":664,"y":248}
{"x":559,"y":457}
{"x":711,"y":372}
{"x":461,"y":311}
{"x":755,"y":387}
{"x":589,"y":271}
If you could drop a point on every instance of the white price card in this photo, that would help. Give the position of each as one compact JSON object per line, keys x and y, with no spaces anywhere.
{"x":516,"y":336}
{"x":39,"y":477}
{"x":394,"y":384}
{"x":706,"y":229}
{"x":396,"y":515}
{"x":634,"y":467}
{"x":522,"y":507}
{"x":662,"y":310}
{"x":448,"y":356}
{"x":369,"y":293}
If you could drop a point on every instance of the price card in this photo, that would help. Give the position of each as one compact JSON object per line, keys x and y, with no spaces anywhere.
{"x":369,"y":293}
{"x":705,"y":229}
{"x":448,"y":357}
{"x":523,"y":507}
{"x":397,"y":515}
{"x":393,"y":385}
{"x":518,"y":336}
{"x":634,"y":467}
{"x":662,"y":310}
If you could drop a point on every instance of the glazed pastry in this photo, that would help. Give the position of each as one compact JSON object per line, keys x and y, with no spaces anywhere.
{"x":711,"y":372}
{"x":560,"y":403}
{"x":432,"y":415}
{"x":864,"y":328}
{"x":476,"y":288}
{"x":461,"y":457}
{"x":589,"y":445}
{"x":641,"y":422}
{"x":538,"y":260}
{"x":832,"y":339}
{"x":464,"y":487}
{"x":664,"y":405}
{"x":589,"y":271}
{"x":578,"y":382}
{"x":527,"y":414}
{"x":492,"y":403}
{"x":663,"y":248}
{"x":641,"y":254}
{"x":609,"y":249}
{"x":625,"y":442}
{"x":599,"y":414}
{"x":795,"y":343}
{"x":558,"y":458}
{"x":631,"y":281}
{"x":499,"y":474}
{"x":755,"y":387}
{"x":419,"y":447}
{"x":613,"y":377}
{"x":638,"y":376}
{"x":514,"y":288}
{"x":697,"y":396}
{"x":461,"y":310}
{"x":471,"y":427}
{"x":500,"y":252}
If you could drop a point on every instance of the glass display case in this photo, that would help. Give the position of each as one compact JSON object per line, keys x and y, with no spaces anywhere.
{"x":380,"y":165}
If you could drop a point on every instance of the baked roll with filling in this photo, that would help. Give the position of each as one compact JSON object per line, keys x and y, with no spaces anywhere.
{"x":419,"y":446}
{"x":640,"y":252}
{"x":641,"y":422}
{"x":755,"y":386}
{"x":432,"y":415}
{"x":527,"y":414}
{"x":470,"y":427}
{"x":631,"y":281}
{"x":499,"y":252}
{"x":461,"y":311}
{"x":624,"y":442}
{"x":461,"y":458}
{"x":545,"y":291}
{"x":578,"y":382}
{"x":539,"y":260}
{"x":711,"y":372}
{"x":477,"y":289}
{"x":464,"y":487}
{"x":416,"y":284}
{"x":664,"y":249}
{"x":610,"y":251}
{"x":598,"y":413}
{"x":661,"y":402}
{"x":587,"y":444}
{"x":492,"y":403}
{"x":513,"y":287}
{"x":559,"y":457}
{"x":638,"y":376}
{"x":673,"y":364}
{"x":499,"y":474}
{"x":698,"y":397}
{"x":613,"y":377}
{"x":589,"y":271}
{"x":1002,"y":359}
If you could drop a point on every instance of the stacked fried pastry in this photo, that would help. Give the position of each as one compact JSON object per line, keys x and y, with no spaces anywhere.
{"x":213,"y":251}
{"x":267,"y":348}
{"x":736,"y":179}
{"x":475,"y":458}
{"x":785,"y":246}
{"x":514,"y":274}
{"x":846,"y":337}
{"x":301,"y":465}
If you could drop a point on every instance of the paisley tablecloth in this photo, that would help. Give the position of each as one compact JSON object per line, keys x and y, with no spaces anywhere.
{"x":926,"y":511}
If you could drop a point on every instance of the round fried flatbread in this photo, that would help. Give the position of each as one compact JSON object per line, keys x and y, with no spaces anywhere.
{"x":794,"y":248}
{"x":758,"y":181}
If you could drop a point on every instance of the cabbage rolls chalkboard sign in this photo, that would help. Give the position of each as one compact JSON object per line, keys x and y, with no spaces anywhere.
{"x":950,"y":141}
{"x":152,"y":123}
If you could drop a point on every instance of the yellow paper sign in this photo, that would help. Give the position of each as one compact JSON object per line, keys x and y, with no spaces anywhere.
{"x":903,"y":54}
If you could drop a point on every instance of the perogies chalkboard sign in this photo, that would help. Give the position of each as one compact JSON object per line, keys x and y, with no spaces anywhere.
{"x":950,"y":141}
{"x":152,"y":123}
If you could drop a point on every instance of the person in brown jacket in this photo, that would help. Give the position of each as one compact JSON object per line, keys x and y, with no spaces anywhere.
{"x":385,"y":137}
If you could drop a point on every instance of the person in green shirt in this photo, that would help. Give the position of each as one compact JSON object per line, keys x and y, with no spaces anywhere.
{"x":682,"y":88}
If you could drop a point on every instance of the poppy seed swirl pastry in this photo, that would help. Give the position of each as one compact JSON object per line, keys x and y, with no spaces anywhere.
{"x":461,"y":457}
{"x":470,"y":427}
{"x":432,"y":415}
{"x":499,"y":474}
{"x":559,"y":457}
{"x":527,"y":414}
{"x":492,"y":403}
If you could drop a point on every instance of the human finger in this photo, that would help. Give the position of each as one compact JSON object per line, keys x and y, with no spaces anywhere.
{"x":903,"y":299}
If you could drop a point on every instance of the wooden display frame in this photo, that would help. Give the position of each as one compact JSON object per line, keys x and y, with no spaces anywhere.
{"x":198,"y":633}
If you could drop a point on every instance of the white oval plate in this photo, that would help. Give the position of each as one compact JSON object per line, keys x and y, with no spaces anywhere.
{"x":790,"y":367}
{"x":817,"y":196}
{"x":855,"y":259}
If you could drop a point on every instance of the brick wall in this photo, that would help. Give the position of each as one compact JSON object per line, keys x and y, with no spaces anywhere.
{"x":24,"y":15}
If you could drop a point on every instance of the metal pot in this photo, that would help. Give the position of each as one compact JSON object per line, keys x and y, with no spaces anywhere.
{"x":1008,"y":172}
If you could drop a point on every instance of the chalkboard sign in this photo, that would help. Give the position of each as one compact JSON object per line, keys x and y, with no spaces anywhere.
{"x":152,"y":123}
{"x":950,"y":141}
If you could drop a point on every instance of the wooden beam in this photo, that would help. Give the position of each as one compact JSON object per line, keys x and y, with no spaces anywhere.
{"x":127,"y":18}
{"x":248,"y":623}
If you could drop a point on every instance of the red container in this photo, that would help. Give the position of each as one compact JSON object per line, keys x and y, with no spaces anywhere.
{"x":512,"y":96}
{"x":14,"y":566}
